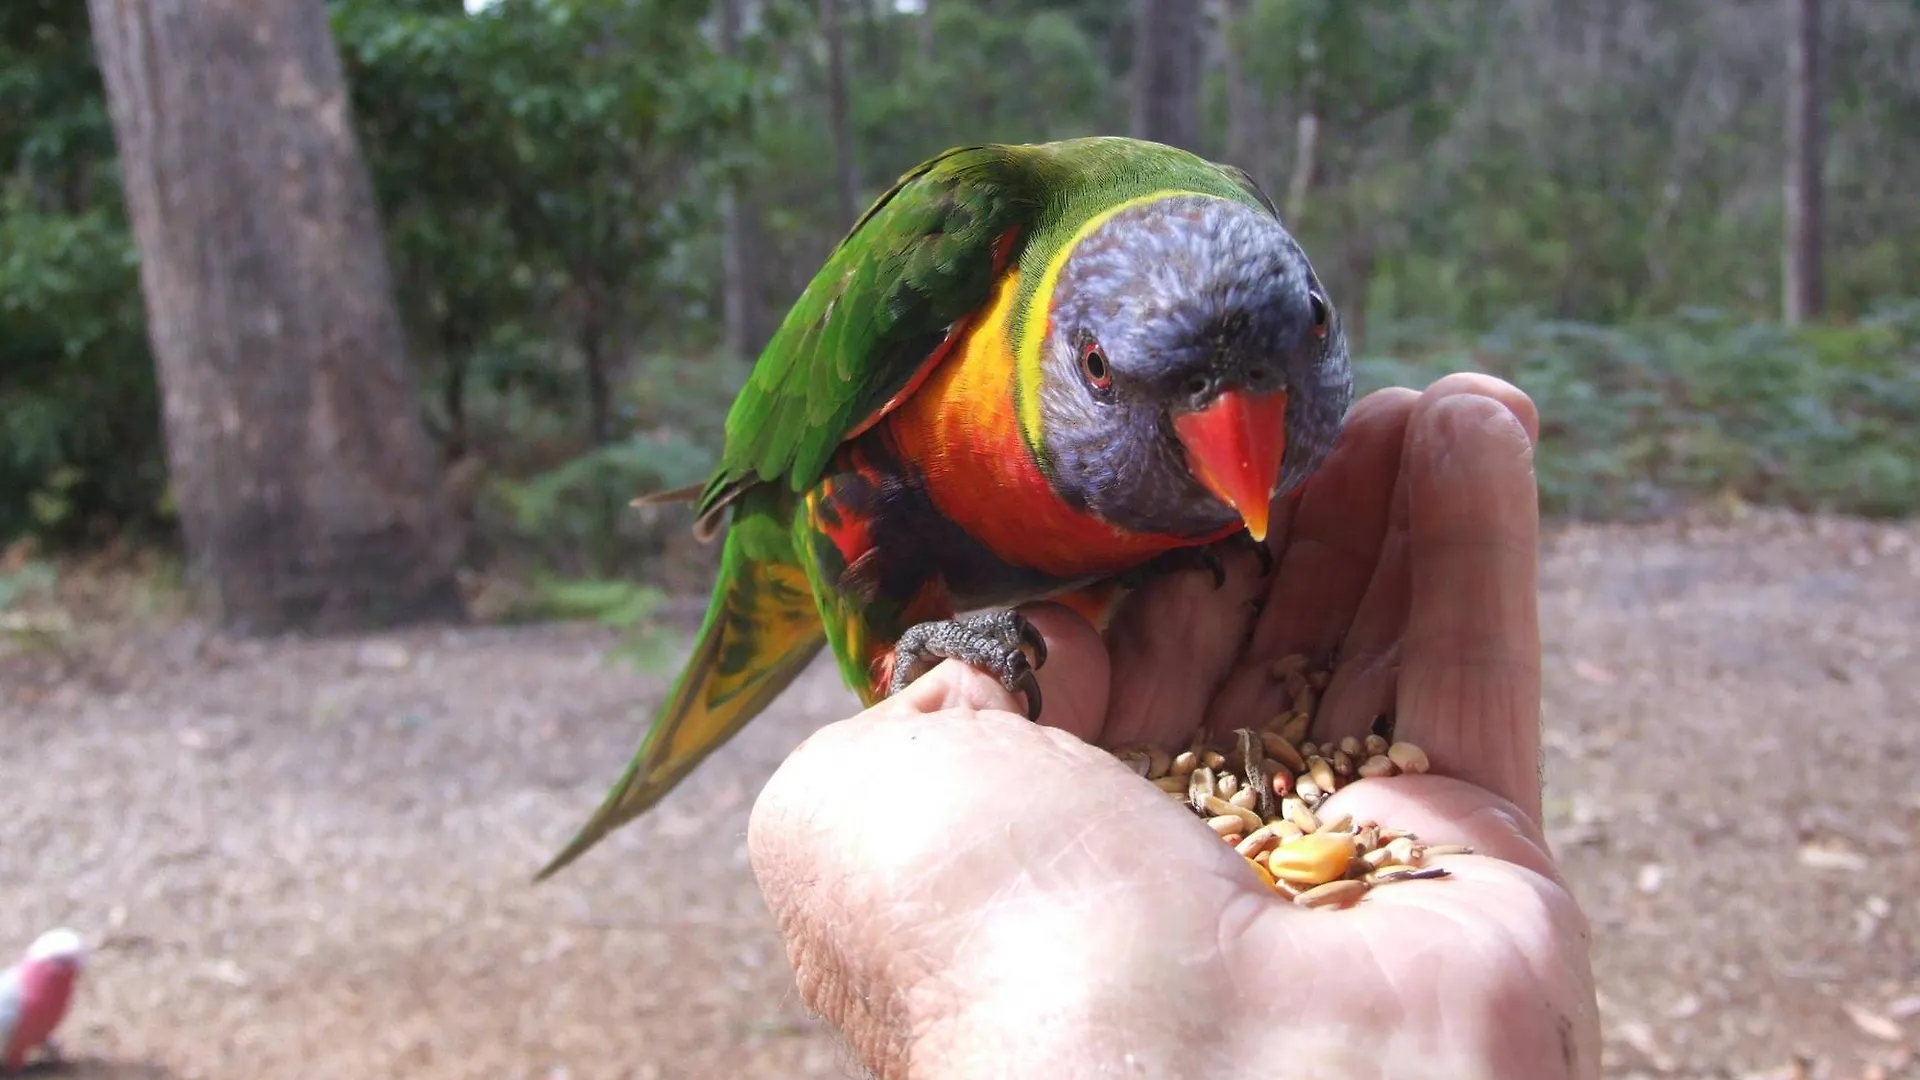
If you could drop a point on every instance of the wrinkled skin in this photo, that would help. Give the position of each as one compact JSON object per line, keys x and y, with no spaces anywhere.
{"x":966,"y":894}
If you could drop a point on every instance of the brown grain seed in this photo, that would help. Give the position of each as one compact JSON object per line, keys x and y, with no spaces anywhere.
{"x":1281,"y":783}
{"x":1407,"y":873}
{"x":1409,"y":757}
{"x":1307,"y":701}
{"x":1175,"y":784}
{"x":1213,"y":759}
{"x":1307,"y":750}
{"x":1377,"y":857}
{"x":1305,"y":788}
{"x":1217,"y":805}
{"x":1286,"y":830}
{"x":1246,"y":799}
{"x":1296,"y":811}
{"x":1226,"y":825}
{"x":1341,"y":824}
{"x":1226,"y":784}
{"x":1282,"y":751}
{"x":1297,"y":687}
{"x":1350,"y":746}
{"x":1377,"y":765}
{"x":1367,"y":837}
{"x":1136,"y":761}
{"x":1288,"y":664}
{"x":1332,"y":894}
{"x":1342,"y":763}
{"x":1158,"y":763}
{"x":1312,"y":859}
{"x":1259,"y":840}
{"x":1375,"y":746}
{"x":1322,"y":774}
{"x":1401,"y":851}
{"x":1296,"y":728}
{"x":1200,"y":787}
{"x":1185,"y":762}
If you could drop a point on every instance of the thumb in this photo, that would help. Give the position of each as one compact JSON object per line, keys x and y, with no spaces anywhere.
{"x":934,"y":861}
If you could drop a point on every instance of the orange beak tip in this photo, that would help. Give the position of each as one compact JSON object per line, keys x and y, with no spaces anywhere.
{"x":1235,"y":447}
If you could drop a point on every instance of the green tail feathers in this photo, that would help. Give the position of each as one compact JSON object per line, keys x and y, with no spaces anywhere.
{"x":761,"y":629}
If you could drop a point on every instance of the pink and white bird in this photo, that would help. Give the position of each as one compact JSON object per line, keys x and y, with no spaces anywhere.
{"x":34,"y":994}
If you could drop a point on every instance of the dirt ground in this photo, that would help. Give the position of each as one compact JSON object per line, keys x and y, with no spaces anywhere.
{"x":310,"y":859}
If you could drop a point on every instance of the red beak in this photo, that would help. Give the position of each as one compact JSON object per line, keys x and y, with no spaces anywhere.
{"x":1235,"y":447}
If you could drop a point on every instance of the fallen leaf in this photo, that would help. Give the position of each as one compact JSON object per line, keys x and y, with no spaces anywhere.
{"x":1875,"y":1024}
{"x":1593,"y":672}
{"x":1831,"y":857}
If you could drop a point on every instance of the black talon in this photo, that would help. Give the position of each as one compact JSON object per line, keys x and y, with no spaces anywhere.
{"x":1265,"y":555}
{"x":994,"y":642}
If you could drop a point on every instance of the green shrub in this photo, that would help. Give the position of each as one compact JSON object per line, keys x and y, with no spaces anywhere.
{"x":1640,"y":419}
{"x":80,"y":450}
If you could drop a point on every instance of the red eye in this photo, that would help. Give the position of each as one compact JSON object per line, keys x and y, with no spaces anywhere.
{"x":1093,"y":363}
{"x":1322,"y":318}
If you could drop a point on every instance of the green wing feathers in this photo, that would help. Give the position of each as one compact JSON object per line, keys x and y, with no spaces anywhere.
{"x":917,"y":261}
{"x":761,"y":629}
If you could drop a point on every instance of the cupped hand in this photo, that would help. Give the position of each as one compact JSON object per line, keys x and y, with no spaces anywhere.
{"x":964,"y":893}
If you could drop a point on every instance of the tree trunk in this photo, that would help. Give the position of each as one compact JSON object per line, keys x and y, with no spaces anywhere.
{"x":847,"y":185}
{"x":1804,"y":287}
{"x":743,"y":302}
{"x":308,"y":493}
{"x":1246,"y":126}
{"x":1306,"y":163}
{"x":1166,"y":72}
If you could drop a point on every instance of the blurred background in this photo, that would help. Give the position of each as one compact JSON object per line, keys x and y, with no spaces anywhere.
{"x":494,"y":268}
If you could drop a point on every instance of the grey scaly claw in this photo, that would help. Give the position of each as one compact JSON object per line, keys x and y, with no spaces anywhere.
{"x":997,"y":642}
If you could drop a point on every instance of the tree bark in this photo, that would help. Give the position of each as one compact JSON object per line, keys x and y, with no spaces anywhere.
{"x":1306,"y":165}
{"x":743,"y":303}
{"x":1166,"y":72}
{"x":1804,"y":285}
{"x":308,"y":493}
{"x":847,"y":178}
{"x":1246,"y":127}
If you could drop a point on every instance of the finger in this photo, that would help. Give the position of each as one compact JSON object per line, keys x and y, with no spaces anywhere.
{"x":1073,"y":681}
{"x":1173,"y":642}
{"x":1328,"y":558}
{"x":926,"y":866}
{"x":1367,"y":670}
{"x":1469,"y":687}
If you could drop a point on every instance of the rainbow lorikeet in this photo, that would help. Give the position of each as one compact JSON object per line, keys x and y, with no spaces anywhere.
{"x":1027,"y":372}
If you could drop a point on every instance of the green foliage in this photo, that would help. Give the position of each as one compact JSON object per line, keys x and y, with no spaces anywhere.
{"x":80,"y":454}
{"x":1641,"y":418}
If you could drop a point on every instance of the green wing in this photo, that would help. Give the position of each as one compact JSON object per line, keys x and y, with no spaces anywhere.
{"x":922,"y":257}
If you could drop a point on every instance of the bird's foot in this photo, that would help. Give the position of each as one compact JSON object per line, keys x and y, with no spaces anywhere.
{"x":1208,"y":557}
{"x":1002,"y":643}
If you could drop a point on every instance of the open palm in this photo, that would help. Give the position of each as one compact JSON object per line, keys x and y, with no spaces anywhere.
{"x":964,"y":893}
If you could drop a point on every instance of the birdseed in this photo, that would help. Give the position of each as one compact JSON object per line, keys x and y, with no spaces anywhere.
{"x":1259,"y":792}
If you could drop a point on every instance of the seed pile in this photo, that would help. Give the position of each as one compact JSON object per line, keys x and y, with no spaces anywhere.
{"x":1262,"y":792}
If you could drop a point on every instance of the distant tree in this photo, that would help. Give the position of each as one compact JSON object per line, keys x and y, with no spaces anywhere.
{"x":846,"y":173}
{"x":1804,"y":285}
{"x":1246,"y":120}
{"x":743,"y":300}
{"x":307,"y":488}
{"x":1166,"y":72}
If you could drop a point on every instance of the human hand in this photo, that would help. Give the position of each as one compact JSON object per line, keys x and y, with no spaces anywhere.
{"x":964,"y":893}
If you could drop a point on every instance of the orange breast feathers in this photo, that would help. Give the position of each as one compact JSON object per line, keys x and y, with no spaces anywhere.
{"x":961,"y":430}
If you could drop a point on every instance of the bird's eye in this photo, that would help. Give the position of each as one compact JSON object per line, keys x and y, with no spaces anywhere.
{"x":1093,"y":363}
{"x":1322,"y":317}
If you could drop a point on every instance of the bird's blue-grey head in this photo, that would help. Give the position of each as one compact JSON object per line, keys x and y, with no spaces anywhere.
{"x":1192,"y":359}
